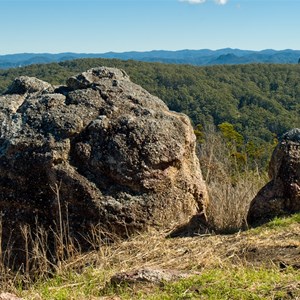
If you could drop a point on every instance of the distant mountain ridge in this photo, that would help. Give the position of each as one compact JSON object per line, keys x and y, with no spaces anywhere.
{"x":193,"y":57}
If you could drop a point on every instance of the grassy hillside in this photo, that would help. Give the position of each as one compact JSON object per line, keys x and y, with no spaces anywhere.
{"x":239,"y":111}
{"x":262,"y":263}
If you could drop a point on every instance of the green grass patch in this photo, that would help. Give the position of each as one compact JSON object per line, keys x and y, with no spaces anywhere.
{"x":70,"y":285}
{"x":284,"y":221}
{"x":276,"y":224}
{"x":229,"y":283}
{"x":238,"y":283}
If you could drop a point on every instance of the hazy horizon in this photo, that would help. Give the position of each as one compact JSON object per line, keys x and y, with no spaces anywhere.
{"x":100,"y":26}
{"x":152,"y":50}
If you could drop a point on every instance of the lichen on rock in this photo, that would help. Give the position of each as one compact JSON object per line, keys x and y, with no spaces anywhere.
{"x":118,"y":157}
{"x":281,"y":195}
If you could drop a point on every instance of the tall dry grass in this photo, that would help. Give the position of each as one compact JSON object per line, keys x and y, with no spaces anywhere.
{"x":231,"y":183}
{"x":49,"y":252}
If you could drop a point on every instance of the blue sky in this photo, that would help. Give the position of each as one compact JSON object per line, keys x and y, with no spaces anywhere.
{"x":96,"y":26}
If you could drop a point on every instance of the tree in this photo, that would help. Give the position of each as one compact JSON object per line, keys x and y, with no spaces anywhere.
{"x":232,"y":137}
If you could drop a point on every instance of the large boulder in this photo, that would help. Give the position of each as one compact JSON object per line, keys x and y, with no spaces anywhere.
{"x":281,"y":195}
{"x":100,"y":151}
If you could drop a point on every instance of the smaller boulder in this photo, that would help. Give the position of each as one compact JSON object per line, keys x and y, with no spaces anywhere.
{"x":147,"y":275}
{"x":96,"y":76}
{"x":280,"y":196}
{"x":25,"y":84}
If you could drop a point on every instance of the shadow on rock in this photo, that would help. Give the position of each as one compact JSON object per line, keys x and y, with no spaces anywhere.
{"x":281,"y":195}
{"x":196,"y":226}
{"x":100,"y":152}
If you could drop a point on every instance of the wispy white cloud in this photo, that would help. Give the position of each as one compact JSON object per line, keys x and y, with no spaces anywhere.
{"x":193,"y":1}
{"x":220,"y":2}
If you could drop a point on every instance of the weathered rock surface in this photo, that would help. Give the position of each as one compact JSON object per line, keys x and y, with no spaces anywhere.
{"x":282,"y":194}
{"x":147,"y":275}
{"x":114,"y":154}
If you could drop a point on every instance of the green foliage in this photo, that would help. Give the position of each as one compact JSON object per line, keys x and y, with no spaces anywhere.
{"x":238,"y":155}
{"x":232,"y":137}
{"x":199,"y":133}
{"x":234,"y":142}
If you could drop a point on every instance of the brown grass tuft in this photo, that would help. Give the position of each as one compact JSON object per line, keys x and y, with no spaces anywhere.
{"x":231,"y":185}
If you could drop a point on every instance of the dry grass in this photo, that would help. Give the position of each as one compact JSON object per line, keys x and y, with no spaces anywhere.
{"x":231,"y":185}
{"x":152,"y":249}
{"x":270,"y":247}
{"x":229,"y":203}
{"x":71,"y":274}
{"x":85,"y":275}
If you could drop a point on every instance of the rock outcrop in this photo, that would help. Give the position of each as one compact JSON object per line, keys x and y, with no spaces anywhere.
{"x":99,"y":151}
{"x":281,"y":195}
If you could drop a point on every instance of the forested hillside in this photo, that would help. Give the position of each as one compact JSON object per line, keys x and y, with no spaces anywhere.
{"x":261,"y":101}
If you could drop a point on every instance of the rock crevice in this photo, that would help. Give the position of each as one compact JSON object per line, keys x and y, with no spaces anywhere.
{"x":120,"y":158}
